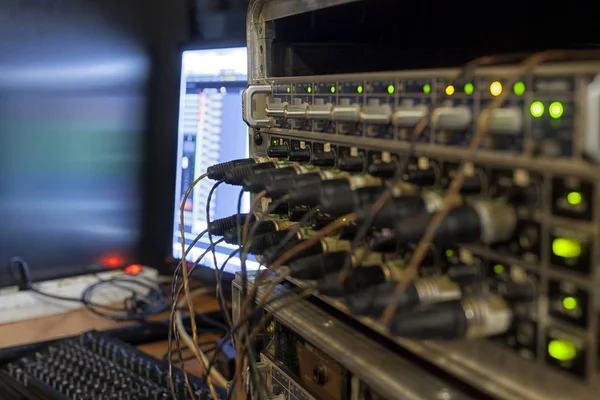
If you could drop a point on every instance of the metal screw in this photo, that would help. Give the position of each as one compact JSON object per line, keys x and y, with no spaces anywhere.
{"x":258,"y":139}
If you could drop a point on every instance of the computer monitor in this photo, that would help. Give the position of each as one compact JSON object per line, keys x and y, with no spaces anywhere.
{"x":211,"y":130}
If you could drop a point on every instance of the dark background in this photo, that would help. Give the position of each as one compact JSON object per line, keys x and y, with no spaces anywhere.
{"x":88,"y":122}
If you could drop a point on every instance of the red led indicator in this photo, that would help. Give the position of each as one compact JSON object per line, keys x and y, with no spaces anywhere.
{"x":112,"y":261}
{"x":133,"y":269}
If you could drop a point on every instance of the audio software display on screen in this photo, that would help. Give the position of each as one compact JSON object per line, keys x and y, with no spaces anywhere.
{"x":211,"y":130}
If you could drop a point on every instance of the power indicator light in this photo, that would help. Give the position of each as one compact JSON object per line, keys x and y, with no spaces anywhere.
{"x":562,"y":350}
{"x":570,"y":303}
{"x":112,"y":260}
{"x":289,"y":90}
{"x":574,"y":198}
{"x":391,"y":89}
{"x":133,"y":269}
{"x":499,"y":269}
{"x":469,"y":88}
{"x":359,"y":89}
{"x":519,"y":88}
{"x":496,"y":88}
{"x":556,"y":110}
{"x":309,"y":89}
{"x":536,"y":109}
{"x":332,"y":90}
{"x":449,"y":90}
{"x":450,"y":253}
{"x":427,"y":88}
{"x":566,"y":248}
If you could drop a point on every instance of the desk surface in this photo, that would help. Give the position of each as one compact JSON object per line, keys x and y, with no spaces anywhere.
{"x":78,"y":321}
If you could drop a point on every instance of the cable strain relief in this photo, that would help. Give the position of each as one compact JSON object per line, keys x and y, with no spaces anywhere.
{"x":307,"y":195}
{"x":337,"y":204}
{"x":219,"y":226}
{"x":236,"y":175}
{"x":231,"y":236}
{"x":364,"y":277}
{"x":256,"y":183}
{"x":218,"y":171}
{"x":263,"y":242}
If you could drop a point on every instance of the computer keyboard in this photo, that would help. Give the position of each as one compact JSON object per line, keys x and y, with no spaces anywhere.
{"x":95,"y":366}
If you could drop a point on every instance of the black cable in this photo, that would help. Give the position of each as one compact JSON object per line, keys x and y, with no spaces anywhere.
{"x":194,"y":242}
{"x":243,"y":255}
{"x":183,"y":261}
{"x":252,"y":232}
{"x":290,"y":235}
{"x":181,"y":361}
{"x":184,"y":348}
{"x":220,"y":290}
{"x":176,"y":273}
{"x":23,"y":277}
{"x":244,"y":270}
{"x":25,"y":283}
{"x":220,"y":287}
{"x":210,"y":237}
{"x":159,"y":303}
{"x":193,"y":357}
{"x":178,"y":293}
{"x":244,"y":319}
{"x":212,"y":322}
{"x":256,"y":379}
{"x":175,"y":295}
{"x":272,"y":207}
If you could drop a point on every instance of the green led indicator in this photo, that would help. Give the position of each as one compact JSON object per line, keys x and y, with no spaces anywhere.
{"x":562,"y":350}
{"x":359,"y":89}
{"x":469,"y":88}
{"x":450,"y":253}
{"x":499,"y":269}
{"x":556,"y":110}
{"x":519,"y":88}
{"x":570,"y":303}
{"x":427,"y":88}
{"x":574,"y":198}
{"x":332,"y":89}
{"x":391,"y":89}
{"x":537,"y":109}
{"x":566,"y":248}
{"x":289,"y":90}
{"x":309,"y":89}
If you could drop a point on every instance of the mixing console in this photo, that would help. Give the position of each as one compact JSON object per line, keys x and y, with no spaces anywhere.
{"x":94,"y":366}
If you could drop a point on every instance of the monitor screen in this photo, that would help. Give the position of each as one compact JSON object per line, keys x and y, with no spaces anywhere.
{"x":211,"y":130}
